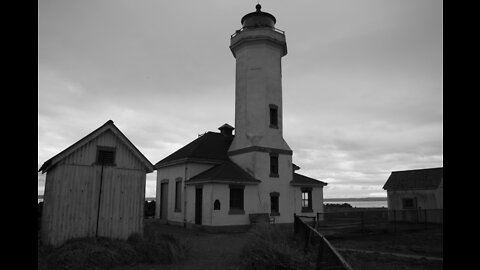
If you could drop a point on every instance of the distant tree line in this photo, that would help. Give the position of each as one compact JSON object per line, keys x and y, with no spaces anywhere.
{"x":337,"y":205}
{"x":148,"y":210}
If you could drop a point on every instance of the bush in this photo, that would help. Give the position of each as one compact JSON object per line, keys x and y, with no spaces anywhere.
{"x":105,"y":253}
{"x":270,"y":248}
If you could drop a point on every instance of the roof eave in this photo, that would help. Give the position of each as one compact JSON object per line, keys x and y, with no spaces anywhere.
{"x":222,"y":181}
{"x":109,"y":125}
{"x":308,"y":184}
{"x":160,"y":164}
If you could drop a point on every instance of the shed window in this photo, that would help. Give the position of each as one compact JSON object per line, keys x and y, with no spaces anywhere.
{"x":273,"y":165}
{"x":236,"y":199}
{"x":307,"y":200}
{"x":105,"y":155}
{"x":273,"y":116}
{"x":409,"y":203}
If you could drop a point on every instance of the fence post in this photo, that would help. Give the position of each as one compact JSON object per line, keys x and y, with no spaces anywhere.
{"x":320,"y":255}
{"x":307,"y":238}
{"x":426,"y":224}
{"x":362,"y":215}
{"x":295,"y":223}
{"x":394,"y":221}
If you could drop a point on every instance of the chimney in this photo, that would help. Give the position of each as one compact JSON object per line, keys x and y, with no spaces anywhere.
{"x":226,"y":130}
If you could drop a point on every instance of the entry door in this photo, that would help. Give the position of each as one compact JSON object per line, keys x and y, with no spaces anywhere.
{"x":164,"y":201}
{"x":198,"y":205}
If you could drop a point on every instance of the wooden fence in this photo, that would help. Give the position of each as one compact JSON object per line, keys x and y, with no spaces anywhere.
{"x":378,"y":219}
{"x":327,"y":256}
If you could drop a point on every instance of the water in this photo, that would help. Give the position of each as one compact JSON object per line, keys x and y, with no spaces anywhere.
{"x":361,"y":204}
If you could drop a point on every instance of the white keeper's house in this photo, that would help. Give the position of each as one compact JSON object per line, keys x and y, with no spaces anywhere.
{"x":220,"y":179}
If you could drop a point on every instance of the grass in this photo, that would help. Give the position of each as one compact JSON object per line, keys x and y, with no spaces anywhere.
{"x":418,"y":242}
{"x":268,"y":247}
{"x":167,"y":247}
{"x":105,"y":253}
{"x":364,"y":261}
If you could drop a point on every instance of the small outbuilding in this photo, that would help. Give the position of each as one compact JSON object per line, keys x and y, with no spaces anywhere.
{"x":416,"y":192}
{"x":95,"y":187}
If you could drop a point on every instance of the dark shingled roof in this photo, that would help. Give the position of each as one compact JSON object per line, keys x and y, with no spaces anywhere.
{"x":227,"y":172}
{"x":415,"y":179}
{"x":211,"y":146}
{"x":302,"y":180}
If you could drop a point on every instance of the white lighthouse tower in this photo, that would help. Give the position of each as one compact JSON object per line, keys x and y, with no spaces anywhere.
{"x":258,"y":49}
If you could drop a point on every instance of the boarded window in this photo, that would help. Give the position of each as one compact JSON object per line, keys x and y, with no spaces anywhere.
{"x":307,"y":200}
{"x":274,"y":204}
{"x":273,"y":116}
{"x":236,"y":199}
{"x":273,"y":165}
{"x":178,"y":196}
{"x":105,"y":155}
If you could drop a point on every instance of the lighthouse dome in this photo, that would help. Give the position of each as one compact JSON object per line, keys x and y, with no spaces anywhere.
{"x":258,"y":19}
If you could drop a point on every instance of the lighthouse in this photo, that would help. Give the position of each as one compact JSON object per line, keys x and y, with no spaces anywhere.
{"x":258,"y":146}
{"x":224,"y":181}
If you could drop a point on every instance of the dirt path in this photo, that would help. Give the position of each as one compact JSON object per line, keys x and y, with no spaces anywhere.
{"x":208,"y":250}
{"x":393,"y":254}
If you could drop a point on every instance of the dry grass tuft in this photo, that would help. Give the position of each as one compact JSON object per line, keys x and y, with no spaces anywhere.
{"x":271,"y":248}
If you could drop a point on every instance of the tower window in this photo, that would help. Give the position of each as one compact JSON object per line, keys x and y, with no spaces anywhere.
{"x":273,"y":165}
{"x":106,"y":155}
{"x":273,"y":116}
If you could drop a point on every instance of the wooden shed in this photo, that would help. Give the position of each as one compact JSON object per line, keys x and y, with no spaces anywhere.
{"x":413,"y":193}
{"x":95,"y":187}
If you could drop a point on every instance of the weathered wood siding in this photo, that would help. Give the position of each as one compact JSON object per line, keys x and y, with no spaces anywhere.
{"x":86,"y":155}
{"x":72,"y":189}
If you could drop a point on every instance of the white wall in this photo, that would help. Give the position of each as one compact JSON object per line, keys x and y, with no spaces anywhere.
{"x":171,"y":173}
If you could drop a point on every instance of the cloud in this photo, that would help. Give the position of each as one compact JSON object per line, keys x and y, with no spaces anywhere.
{"x":362,"y":89}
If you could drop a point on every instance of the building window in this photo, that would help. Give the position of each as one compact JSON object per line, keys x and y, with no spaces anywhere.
{"x":273,"y":116}
{"x":178,"y":195}
{"x":307,"y":200}
{"x":236,"y":200}
{"x":273,"y":165}
{"x":106,"y":155}
{"x":216,"y":205}
{"x":274,"y":204}
{"x":409,"y":203}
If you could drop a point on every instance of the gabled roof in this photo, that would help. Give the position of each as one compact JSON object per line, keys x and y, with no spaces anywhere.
{"x":210,"y":147}
{"x":415,"y":179}
{"x":226,"y":172}
{"x":107,"y":126}
{"x":302,"y":180}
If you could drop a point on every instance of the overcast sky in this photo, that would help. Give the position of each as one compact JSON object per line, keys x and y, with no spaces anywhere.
{"x":362,"y":80}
